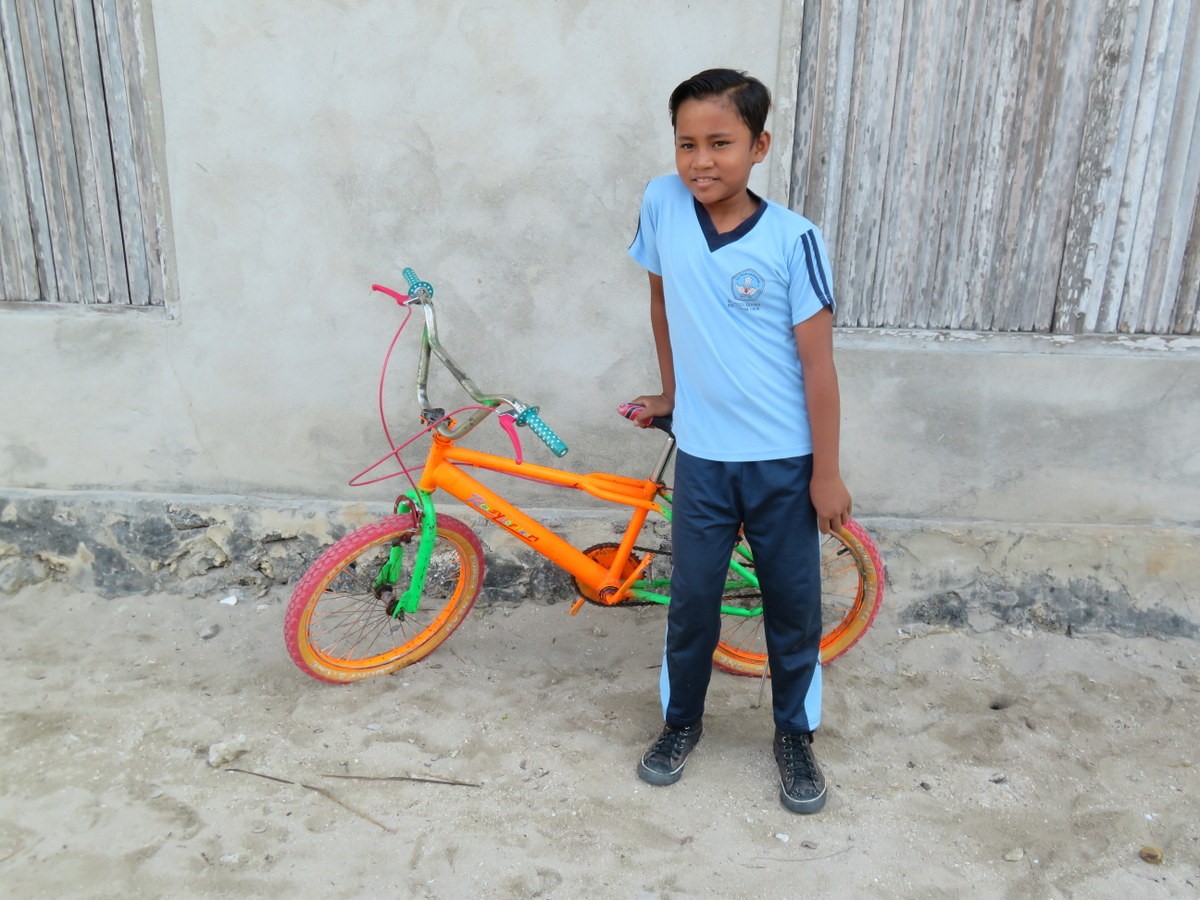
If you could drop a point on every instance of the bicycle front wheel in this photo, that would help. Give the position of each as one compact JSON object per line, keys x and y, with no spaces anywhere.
{"x":852,"y":578}
{"x":342,"y":625}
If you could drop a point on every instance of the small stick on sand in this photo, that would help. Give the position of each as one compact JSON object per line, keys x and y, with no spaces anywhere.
{"x":324,"y":793}
{"x":416,"y":778}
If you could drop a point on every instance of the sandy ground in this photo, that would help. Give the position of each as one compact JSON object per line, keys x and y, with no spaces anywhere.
{"x":977,"y":763}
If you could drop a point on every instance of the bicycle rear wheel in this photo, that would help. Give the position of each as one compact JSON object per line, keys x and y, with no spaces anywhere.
{"x":852,"y":578}
{"x":340,"y":627}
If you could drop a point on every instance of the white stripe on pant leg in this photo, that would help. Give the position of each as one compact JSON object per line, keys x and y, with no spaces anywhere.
{"x":812,"y":700}
{"x":664,"y":682}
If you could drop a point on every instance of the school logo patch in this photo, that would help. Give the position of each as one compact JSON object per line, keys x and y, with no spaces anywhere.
{"x":747,"y":286}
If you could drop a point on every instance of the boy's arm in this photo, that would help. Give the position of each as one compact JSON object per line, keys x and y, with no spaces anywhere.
{"x":814,"y":343}
{"x":659,"y":404}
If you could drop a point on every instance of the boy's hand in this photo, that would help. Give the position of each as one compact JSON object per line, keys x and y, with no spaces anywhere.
{"x":652,"y":405}
{"x":831,"y":500}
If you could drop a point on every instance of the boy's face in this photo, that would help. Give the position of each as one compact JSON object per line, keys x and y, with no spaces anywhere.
{"x":714,"y":151}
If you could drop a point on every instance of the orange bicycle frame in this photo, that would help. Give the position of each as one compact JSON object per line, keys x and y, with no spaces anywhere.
{"x":444,"y":468}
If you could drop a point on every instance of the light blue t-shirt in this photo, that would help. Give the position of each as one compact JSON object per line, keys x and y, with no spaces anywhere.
{"x":732,"y":300}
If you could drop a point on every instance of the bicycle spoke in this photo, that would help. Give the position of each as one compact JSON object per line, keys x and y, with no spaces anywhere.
{"x":356,"y":624}
{"x":345,"y":628}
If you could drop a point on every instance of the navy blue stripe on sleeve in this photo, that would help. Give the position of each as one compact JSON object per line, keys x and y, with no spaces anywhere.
{"x":816,"y":271}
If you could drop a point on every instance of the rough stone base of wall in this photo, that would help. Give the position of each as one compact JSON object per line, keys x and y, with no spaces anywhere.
{"x":125,"y":543}
{"x":1125,"y":580}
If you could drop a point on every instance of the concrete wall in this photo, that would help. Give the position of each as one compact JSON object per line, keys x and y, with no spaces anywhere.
{"x":311,"y":148}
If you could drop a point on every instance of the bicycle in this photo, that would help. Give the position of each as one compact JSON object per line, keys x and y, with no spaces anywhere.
{"x":388,"y":594}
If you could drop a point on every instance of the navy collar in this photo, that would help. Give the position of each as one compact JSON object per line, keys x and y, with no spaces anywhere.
{"x":717,"y":241}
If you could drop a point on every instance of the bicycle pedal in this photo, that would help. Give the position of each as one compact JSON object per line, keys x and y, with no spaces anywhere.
{"x":577,"y":605}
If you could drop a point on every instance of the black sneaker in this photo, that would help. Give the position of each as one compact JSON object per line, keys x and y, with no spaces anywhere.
{"x":801,"y":783}
{"x":663,"y":762}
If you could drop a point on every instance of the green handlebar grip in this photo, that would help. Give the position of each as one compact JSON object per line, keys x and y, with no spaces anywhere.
{"x":542,"y":430}
{"x":415,"y":284}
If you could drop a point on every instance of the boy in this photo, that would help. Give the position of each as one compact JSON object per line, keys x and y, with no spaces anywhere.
{"x":742,"y":316}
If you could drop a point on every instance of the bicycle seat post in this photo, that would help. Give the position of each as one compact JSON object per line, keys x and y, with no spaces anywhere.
{"x":664,"y":459}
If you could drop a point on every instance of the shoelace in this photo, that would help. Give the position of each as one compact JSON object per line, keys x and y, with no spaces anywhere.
{"x":670,"y":742}
{"x":799,"y":763}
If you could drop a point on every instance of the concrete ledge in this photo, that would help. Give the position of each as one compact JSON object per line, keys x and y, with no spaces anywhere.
{"x":1131,"y":581}
{"x":1065,"y":578}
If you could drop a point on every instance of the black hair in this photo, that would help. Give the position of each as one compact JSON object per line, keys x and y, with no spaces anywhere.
{"x":749,"y":96}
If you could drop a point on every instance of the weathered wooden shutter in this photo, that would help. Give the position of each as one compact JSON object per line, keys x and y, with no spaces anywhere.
{"x":79,"y":209}
{"x":1005,"y":166}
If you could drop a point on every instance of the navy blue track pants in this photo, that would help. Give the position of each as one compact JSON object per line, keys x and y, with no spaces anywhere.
{"x":769,"y":500}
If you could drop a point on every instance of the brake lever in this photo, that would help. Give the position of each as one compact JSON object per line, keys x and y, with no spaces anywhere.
{"x":401,"y":299}
{"x":508,"y":421}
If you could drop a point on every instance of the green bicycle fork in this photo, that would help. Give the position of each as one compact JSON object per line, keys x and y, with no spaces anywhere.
{"x":393,"y":570}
